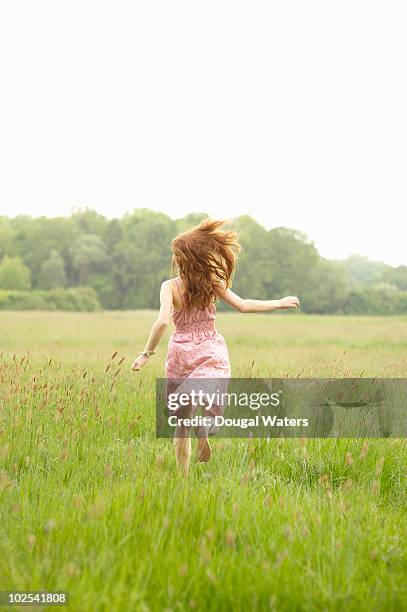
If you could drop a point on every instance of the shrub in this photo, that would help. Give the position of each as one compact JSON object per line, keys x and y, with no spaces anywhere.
{"x":376,"y":301}
{"x":79,"y":298}
{"x":14,"y":274}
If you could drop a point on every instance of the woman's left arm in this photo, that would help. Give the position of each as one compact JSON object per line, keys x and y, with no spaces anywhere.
{"x":159,"y":326}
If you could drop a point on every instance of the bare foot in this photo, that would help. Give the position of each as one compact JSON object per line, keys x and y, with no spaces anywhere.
{"x":204,"y":450}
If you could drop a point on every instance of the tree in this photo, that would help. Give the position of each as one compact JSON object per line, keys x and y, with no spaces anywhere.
{"x":397,"y":277}
{"x":293,"y":258}
{"x":255,"y":268}
{"x":327,"y":290}
{"x":146,"y":256}
{"x":111,"y":285}
{"x":7,"y":237}
{"x":89,"y":221}
{"x":14,"y":274}
{"x":125,"y":260}
{"x":187,"y":222}
{"x":52,"y":273}
{"x":363,"y":271}
{"x":36,"y":238}
{"x":88,"y":255}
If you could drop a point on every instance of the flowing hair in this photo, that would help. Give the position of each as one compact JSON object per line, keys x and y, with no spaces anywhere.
{"x":206,"y":258}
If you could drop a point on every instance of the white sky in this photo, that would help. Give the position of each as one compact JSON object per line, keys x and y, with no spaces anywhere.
{"x":293,"y":112}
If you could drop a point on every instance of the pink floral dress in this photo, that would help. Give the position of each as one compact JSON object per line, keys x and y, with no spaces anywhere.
{"x":196,"y":350}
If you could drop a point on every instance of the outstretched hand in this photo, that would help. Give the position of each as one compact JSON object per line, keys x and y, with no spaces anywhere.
{"x":139,"y":362}
{"x":291,"y":301}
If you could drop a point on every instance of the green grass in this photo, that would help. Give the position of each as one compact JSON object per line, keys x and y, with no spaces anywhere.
{"x":90,"y":501}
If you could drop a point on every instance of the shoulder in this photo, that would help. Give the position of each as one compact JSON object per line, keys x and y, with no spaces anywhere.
{"x":166,"y":285}
{"x":166,"y":293}
{"x":219,"y":288}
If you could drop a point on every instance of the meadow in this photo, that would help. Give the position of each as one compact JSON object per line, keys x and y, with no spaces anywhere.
{"x":90,"y":501}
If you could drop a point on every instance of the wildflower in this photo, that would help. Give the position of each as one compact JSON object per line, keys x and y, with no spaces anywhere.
{"x":230,"y":538}
{"x":379,"y":466}
{"x":183,"y":570}
{"x":72,"y":569}
{"x":108,"y":471}
{"x":211,"y":576}
{"x":376,"y":487}
{"x":268,"y":501}
{"x":364,"y":449}
{"x":281,"y":558}
{"x":349,"y":458}
{"x":159,"y":461}
{"x":323,"y":480}
{"x":348,"y":484}
{"x":5,"y":481}
{"x":288,"y":533}
{"x":205,"y":554}
{"x":50,"y":525}
{"x":77,"y":501}
{"x":31,"y":540}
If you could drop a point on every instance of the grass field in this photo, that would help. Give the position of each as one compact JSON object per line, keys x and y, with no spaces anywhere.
{"x":90,"y":501}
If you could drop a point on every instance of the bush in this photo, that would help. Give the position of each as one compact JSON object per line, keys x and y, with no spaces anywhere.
{"x":380,"y":301}
{"x":80,"y":298}
{"x":14,"y":274}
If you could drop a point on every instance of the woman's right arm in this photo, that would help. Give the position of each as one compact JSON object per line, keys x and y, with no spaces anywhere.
{"x":249,"y":305}
{"x":159,"y":326}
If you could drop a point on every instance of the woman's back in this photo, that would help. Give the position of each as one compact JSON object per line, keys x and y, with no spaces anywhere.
{"x":191,"y":317}
{"x":195,"y":349}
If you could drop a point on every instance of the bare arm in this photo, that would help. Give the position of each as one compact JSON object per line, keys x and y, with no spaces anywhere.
{"x":159,"y":326}
{"x":249,"y":305}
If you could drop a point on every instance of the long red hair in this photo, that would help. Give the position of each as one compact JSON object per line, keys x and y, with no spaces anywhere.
{"x":206,"y":257}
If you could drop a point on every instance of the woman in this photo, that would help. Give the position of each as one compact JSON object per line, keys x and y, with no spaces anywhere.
{"x":205,"y":257}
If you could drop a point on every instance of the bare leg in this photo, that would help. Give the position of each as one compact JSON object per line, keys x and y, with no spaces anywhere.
{"x":182,"y":443}
{"x":204,"y":450}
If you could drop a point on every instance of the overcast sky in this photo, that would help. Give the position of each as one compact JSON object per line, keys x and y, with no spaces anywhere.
{"x":292,"y":112}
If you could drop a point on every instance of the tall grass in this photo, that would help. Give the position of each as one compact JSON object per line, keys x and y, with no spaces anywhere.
{"x":90,"y":501}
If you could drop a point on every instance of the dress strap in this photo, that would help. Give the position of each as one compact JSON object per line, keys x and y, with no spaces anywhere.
{"x":179,"y":291}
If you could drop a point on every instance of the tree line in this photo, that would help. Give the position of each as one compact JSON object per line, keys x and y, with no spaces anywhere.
{"x":87,"y":261}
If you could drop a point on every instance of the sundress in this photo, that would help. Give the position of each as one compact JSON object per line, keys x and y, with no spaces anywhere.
{"x":196,"y":350}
